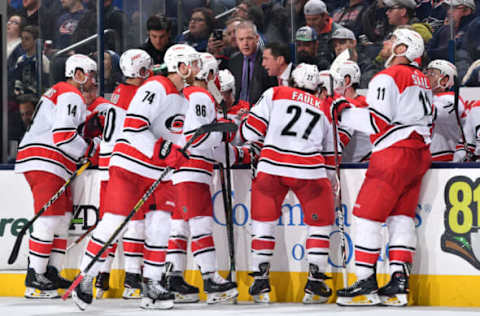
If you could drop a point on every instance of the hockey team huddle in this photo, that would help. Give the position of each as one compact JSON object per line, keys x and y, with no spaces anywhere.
{"x":149,"y":131}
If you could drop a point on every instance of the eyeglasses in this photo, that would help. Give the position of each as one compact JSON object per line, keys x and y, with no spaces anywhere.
{"x":197,"y":20}
{"x":13,"y":22}
{"x":394,"y":7}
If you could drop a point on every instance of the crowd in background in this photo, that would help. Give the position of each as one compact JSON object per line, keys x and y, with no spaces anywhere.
{"x":311,"y":31}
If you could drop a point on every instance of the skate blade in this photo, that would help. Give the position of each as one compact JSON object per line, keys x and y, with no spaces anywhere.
{"x":34,"y":293}
{"x":313,"y":299}
{"x":397,"y":300}
{"x":80,"y":304}
{"x":361,"y":300}
{"x":263,"y":298}
{"x":186,"y":298}
{"x":148,"y":303}
{"x":214,"y":298}
{"x":132,"y":294}
{"x":99,"y":293}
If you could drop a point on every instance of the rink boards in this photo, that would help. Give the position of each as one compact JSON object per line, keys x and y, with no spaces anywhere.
{"x":445,"y":272}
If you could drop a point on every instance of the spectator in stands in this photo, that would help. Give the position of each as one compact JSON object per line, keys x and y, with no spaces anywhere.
{"x":298,"y":6}
{"x":26,"y":107}
{"x":14,"y":49}
{"x":200,"y":26}
{"x":117,"y":20}
{"x":159,"y":32}
{"x":307,"y":45}
{"x":35,"y":13}
{"x":402,"y":12}
{"x":230,"y":40}
{"x":26,"y":69}
{"x":11,"y":10}
{"x":276,"y":61}
{"x":317,"y":17}
{"x":333,"y":5}
{"x":343,"y":39}
{"x":111,"y":67}
{"x":223,"y":48}
{"x":276,"y":23}
{"x":349,"y":15}
{"x":67,"y":23}
{"x":461,"y":12}
{"x":246,"y":65}
{"x":248,"y":10}
{"x":471,"y":42}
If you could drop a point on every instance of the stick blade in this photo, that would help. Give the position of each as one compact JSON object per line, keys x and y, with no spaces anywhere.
{"x":16,"y":248}
{"x":72,"y":287}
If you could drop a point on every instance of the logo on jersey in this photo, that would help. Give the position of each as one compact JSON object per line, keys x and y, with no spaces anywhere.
{"x":462,"y":220}
{"x":115,"y":97}
{"x":175,"y":123}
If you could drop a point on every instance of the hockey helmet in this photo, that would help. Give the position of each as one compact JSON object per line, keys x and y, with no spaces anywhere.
{"x":135,"y":63}
{"x":82,"y":62}
{"x":306,"y":76}
{"x":446,"y":68}
{"x":227,"y":80}
{"x":181,"y":53}
{"x":348,"y":68}
{"x":412,"y":40}
{"x":209,"y":63}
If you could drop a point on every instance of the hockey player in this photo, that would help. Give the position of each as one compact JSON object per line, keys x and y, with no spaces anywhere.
{"x":446,"y":132}
{"x":471,"y":128}
{"x":136,"y":66}
{"x":297,"y":155}
{"x":192,"y":182}
{"x":47,"y":156}
{"x":346,"y":80}
{"x":399,"y":119}
{"x":140,"y":155}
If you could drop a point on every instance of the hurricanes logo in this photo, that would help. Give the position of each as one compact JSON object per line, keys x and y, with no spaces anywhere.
{"x":175,"y":123}
{"x":462,"y":226}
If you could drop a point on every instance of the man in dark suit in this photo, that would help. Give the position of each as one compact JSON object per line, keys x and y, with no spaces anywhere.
{"x":246,"y":65}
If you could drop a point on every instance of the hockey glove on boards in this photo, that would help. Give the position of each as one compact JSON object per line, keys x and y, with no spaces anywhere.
{"x":238,"y":154}
{"x":337,"y":106}
{"x":171,"y":154}
{"x":229,"y":136}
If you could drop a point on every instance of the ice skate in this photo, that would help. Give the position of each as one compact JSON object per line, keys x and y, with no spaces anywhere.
{"x":219,"y":290}
{"x":261,"y":284}
{"x":395,"y":293}
{"x":361,"y":293}
{"x":184,"y":292}
{"x":133,"y":286}
{"x":102,"y":284}
{"x":316,"y":291}
{"x":38,"y":286}
{"x":155,"y":296}
{"x":83,"y":294}
{"x":54,"y":276}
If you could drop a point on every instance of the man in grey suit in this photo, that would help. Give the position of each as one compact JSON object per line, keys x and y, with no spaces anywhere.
{"x":246,"y":65}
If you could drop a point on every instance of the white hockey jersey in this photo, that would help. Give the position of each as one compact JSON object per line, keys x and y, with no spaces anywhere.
{"x":358,"y":148}
{"x":52,"y":142}
{"x":153,"y":113}
{"x":114,"y":113}
{"x":446,"y":132}
{"x":400,"y":103}
{"x":298,"y":139}
{"x":201,"y":110}
{"x":471,"y":128}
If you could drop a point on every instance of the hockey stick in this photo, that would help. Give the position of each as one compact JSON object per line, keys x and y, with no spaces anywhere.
{"x":338,"y":200}
{"x":214,"y":127}
{"x":468,"y":154}
{"x":82,"y":237}
{"x":226,"y":183}
{"x":18,"y":241}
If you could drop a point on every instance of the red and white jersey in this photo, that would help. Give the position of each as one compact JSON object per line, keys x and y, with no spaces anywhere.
{"x":471,"y":128}
{"x":298,"y":139}
{"x":235,"y":114}
{"x":201,"y":110}
{"x":156,"y":111}
{"x":446,"y":132}
{"x":52,"y":142}
{"x":400,"y":103}
{"x":114,"y":114}
{"x":359,"y":147}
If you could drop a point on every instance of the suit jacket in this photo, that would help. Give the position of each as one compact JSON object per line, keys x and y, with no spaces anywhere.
{"x":260,"y":82}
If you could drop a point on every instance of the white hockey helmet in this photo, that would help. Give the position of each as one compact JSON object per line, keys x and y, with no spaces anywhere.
{"x":136,"y":63}
{"x":324,"y":79}
{"x":209,"y":63}
{"x":181,"y":53}
{"x":227,"y":81}
{"x":446,"y":68}
{"x":412,"y":40}
{"x":348,"y":68}
{"x":306,"y":76}
{"x":82,"y":62}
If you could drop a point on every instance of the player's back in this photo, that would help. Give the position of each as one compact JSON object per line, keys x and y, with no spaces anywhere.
{"x":298,"y":133}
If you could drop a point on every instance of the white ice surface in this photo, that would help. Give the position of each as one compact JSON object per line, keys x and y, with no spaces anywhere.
{"x":14,"y":306}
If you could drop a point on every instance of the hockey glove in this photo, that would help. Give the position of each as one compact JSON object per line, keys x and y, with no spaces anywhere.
{"x":337,"y":106}
{"x":242,"y":155}
{"x":92,"y":127}
{"x":93,"y":145}
{"x":227,"y":137}
{"x":171,"y":154}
